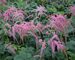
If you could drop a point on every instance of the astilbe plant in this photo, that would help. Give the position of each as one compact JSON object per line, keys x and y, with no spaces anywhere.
{"x":23,"y":29}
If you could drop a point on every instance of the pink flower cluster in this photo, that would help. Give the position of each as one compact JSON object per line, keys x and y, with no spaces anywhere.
{"x":18,"y":14}
{"x":13,"y":13}
{"x":9,"y":13}
{"x":22,"y":29}
{"x":3,"y":1}
{"x":55,"y":42}
{"x":59,"y":22}
{"x":72,"y":10}
{"x":41,"y":10}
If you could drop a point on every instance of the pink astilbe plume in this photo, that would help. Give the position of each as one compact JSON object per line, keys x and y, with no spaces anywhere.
{"x":55,"y":42}
{"x":12,"y":13}
{"x":18,"y":14}
{"x":59,"y":22}
{"x":58,"y":45}
{"x":9,"y":13}
{"x":72,"y":10}
{"x":40,"y":10}
{"x":3,"y":1}
{"x":22,"y":29}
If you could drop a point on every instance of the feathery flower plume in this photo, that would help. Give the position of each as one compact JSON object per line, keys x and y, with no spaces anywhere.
{"x":3,"y":1}
{"x":56,"y":44}
{"x":40,"y":10}
{"x":18,"y":14}
{"x":9,"y":13}
{"x":72,"y":10}
{"x":22,"y":29}
{"x":59,"y":22}
{"x":13,"y":13}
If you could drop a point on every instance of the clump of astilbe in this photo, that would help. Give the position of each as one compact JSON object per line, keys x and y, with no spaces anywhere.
{"x":59,"y":23}
{"x":24,"y":29}
{"x":40,"y":10}
{"x":9,"y":13}
{"x":56,"y":44}
{"x":72,"y":10}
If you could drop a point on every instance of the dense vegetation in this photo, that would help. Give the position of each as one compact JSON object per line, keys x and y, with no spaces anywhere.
{"x":37,"y":30}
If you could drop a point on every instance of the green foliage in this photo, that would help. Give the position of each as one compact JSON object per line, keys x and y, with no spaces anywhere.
{"x":48,"y":53}
{"x":25,"y":54}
